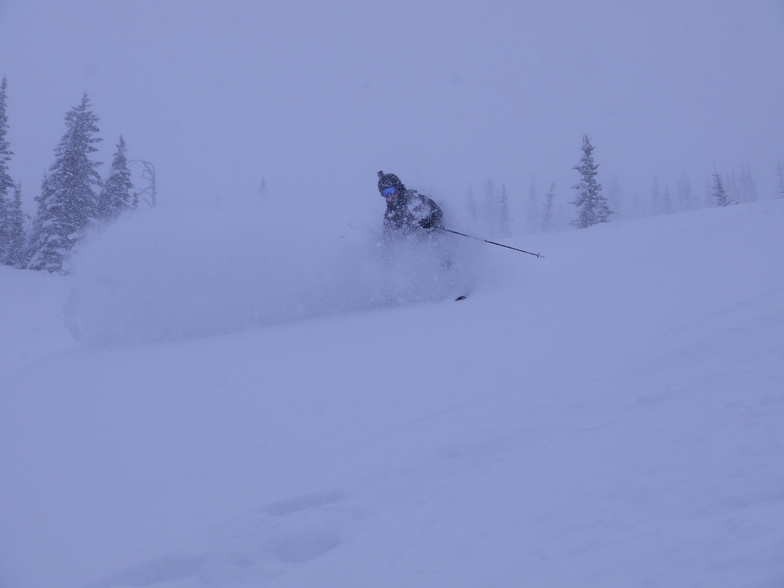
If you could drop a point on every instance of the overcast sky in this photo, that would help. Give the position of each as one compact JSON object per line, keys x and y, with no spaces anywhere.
{"x":317,"y":95}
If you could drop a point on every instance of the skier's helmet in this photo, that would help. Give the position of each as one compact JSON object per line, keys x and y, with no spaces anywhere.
{"x":389,"y":181}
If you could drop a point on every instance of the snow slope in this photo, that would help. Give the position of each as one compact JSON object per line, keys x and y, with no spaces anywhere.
{"x":610,"y":415}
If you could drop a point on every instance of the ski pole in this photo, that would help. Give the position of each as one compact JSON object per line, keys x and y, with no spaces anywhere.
{"x":492,"y":242}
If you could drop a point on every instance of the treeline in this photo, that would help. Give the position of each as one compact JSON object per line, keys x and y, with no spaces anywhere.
{"x":594,"y":203}
{"x":73,"y":198}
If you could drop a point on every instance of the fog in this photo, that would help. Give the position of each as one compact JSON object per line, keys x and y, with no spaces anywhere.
{"x":315,"y":96}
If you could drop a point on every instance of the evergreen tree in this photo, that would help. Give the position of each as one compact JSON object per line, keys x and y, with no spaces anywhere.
{"x":730,"y":183}
{"x":471,"y":202}
{"x":746,"y":186}
{"x":592,"y":206}
{"x":490,"y":209}
{"x":116,"y":196}
{"x":6,"y":183}
{"x":263,"y":189}
{"x":5,"y":228}
{"x":549,"y":208}
{"x":16,"y":230}
{"x":684,"y":193}
{"x":36,"y":253}
{"x":667,"y":206}
{"x":67,"y":203}
{"x":532,"y":207}
{"x":718,"y":191}
{"x":503,"y":213}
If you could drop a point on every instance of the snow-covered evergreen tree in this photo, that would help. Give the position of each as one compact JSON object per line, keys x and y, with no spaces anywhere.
{"x":532,"y":209}
{"x":503,"y":213}
{"x":490,"y":208}
{"x":263,"y":189}
{"x":548,"y":216}
{"x":16,"y":230}
{"x":731,"y":187}
{"x":6,"y":183}
{"x":37,"y":253}
{"x":667,"y":205}
{"x":116,"y":196}
{"x":473,"y":212}
{"x":67,"y":203}
{"x":718,"y":191}
{"x":684,"y":195}
{"x":592,"y":206}
{"x":5,"y":226}
{"x":746,"y":186}
{"x":661,"y":201}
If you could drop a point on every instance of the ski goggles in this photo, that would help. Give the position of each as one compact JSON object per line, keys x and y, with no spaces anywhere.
{"x":389,"y":191}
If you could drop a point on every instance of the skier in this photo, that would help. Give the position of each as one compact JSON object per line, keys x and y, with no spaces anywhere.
{"x":408,"y":211}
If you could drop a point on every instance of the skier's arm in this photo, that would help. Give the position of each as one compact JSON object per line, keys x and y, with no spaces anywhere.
{"x":434,"y":219}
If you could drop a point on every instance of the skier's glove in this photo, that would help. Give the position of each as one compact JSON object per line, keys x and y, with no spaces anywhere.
{"x":426,"y":223}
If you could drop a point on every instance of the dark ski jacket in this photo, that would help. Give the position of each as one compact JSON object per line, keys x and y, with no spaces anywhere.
{"x":412,"y":210}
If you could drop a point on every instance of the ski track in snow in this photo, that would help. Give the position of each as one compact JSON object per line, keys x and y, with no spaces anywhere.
{"x":609,"y":415}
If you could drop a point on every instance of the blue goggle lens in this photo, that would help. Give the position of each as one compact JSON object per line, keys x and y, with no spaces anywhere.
{"x":388,"y":191}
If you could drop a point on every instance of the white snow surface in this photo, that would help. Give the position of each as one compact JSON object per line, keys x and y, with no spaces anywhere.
{"x":242,"y":406}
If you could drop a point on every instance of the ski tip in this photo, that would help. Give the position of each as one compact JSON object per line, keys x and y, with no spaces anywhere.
{"x":460,"y":298}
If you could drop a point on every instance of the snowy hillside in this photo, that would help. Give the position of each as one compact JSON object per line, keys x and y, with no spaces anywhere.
{"x":236,"y":413}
